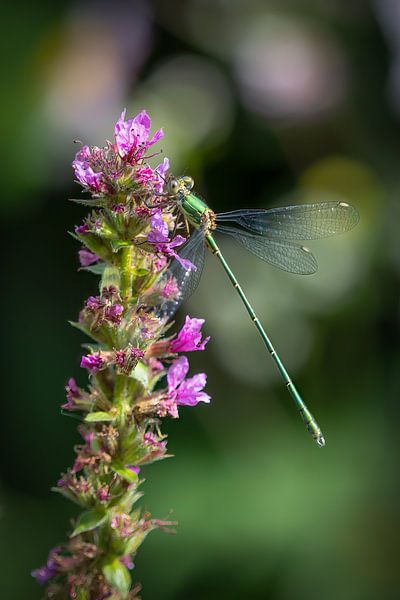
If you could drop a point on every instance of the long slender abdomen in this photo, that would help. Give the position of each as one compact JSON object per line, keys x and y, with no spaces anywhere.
{"x":308,"y":419}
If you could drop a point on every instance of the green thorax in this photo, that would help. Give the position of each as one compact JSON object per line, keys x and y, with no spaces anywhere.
{"x":194,"y":209}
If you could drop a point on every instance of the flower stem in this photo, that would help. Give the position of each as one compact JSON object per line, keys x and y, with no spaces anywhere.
{"x":120,"y":395}
{"x":126,"y":272}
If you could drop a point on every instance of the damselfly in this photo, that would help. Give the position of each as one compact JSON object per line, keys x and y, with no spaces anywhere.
{"x":270,"y":234}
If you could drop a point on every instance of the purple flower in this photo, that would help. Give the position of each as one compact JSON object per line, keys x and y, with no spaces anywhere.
{"x":168,"y":250}
{"x":43,"y":574}
{"x":127,"y":561}
{"x":136,"y":353}
{"x":118,"y":208}
{"x":93,"y":362}
{"x":128,"y":358}
{"x":170,"y":289}
{"x":134,"y":469}
{"x":84,"y":171}
{"x":113,"y":313}
{"x":154,"y":441}
{"x":93,"y":303}
{"x":189,"y":337}
{"x":185,"y":391}
{"x":160,"y":263}
{"x":159,"y":236}
{"x":73,"y":393}
{"x":160,"y":172}
{"x":87,"y":258}
{"x":103,"y":494}
{"x":159,"y":233}
{"x":82,"y":229}
{"x":144,"y":174}
{"x":132,"y":136}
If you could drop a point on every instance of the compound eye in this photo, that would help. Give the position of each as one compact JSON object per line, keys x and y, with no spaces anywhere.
{"x":173,"y":186}
{"x":188,"y":181}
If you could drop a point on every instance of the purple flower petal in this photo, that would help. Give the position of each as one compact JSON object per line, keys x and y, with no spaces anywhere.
{"x":160,"y":173}
{"x":127,"y":561}
{"x":158,"y":229}
{"x":177,"y":373}
{"x":159,"y":134}
{"x":134,"y":469}
{"x":186,"y":264}
{"x":189,"y":392}
{"x":189,"y":337}
{"x":132,"y":136}
{"x":87,"y":258}
{"x":113,"y":313}
{"x":93,"y":362}
{"x":82,"y":229}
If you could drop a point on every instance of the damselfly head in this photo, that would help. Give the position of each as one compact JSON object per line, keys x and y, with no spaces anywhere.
{"x":181,"y":185}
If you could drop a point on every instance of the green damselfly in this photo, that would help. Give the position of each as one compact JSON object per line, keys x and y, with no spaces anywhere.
{"x":270,"y":234}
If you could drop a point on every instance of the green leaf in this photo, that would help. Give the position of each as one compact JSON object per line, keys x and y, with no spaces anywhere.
{"x":118,"y":576}
{"x":67,"y":494}
{"x":111,"y":276}
{"x":83,"y":329}
{"x":97,"y":269}
{"x":97,"y":417}
{"x":89,"y":201}
{"x":125,"y":473}
{"x":89,"y":520}
{"x":141,"y":374}
{"x":141,"y":272}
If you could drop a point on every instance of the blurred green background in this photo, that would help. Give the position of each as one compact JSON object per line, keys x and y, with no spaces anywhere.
{"x":263,"y":103}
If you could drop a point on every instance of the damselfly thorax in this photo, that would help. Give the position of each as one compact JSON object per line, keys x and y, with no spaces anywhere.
{"x":193,"y":208}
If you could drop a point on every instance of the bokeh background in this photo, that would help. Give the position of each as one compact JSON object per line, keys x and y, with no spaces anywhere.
{"x":263,"y":103}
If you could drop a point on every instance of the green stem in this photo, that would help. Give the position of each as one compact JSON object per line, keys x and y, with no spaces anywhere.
{"x":120,"y":395}
{"x":126,"y":272}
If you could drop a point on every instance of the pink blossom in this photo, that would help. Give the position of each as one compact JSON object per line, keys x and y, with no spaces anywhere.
{"x":82,"y":229}
{"x":103,"y":494}
{"x":170,"y":289}
{"x":185,"y":391}
{"x":154,"y":441}
{"x":73,"y":394}
{"x":134,"y":469}
{"x":159,"y":232}
{"x":189,"y":337}
{"x":93,"y":362}
{"x":87,"y":258}
{"x":118,"y":208}
{"x":127,"y":561}
{"x":84,"y":172}
{"x":49,"y":570}
{"x":159,"y":236}
{"x":128,"y":358}
{"x":144,"y":174}
{"x":113,"y":313}
{"x":160,"y":263}
{"x":132,"y":136}
{"x":160,"y":173}
{"x":93,"y":303}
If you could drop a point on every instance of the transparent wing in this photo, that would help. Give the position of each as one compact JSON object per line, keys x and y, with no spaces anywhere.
{"x":299,"y":222}
{"x":187,"y":281}
{"x":282,"y":254}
